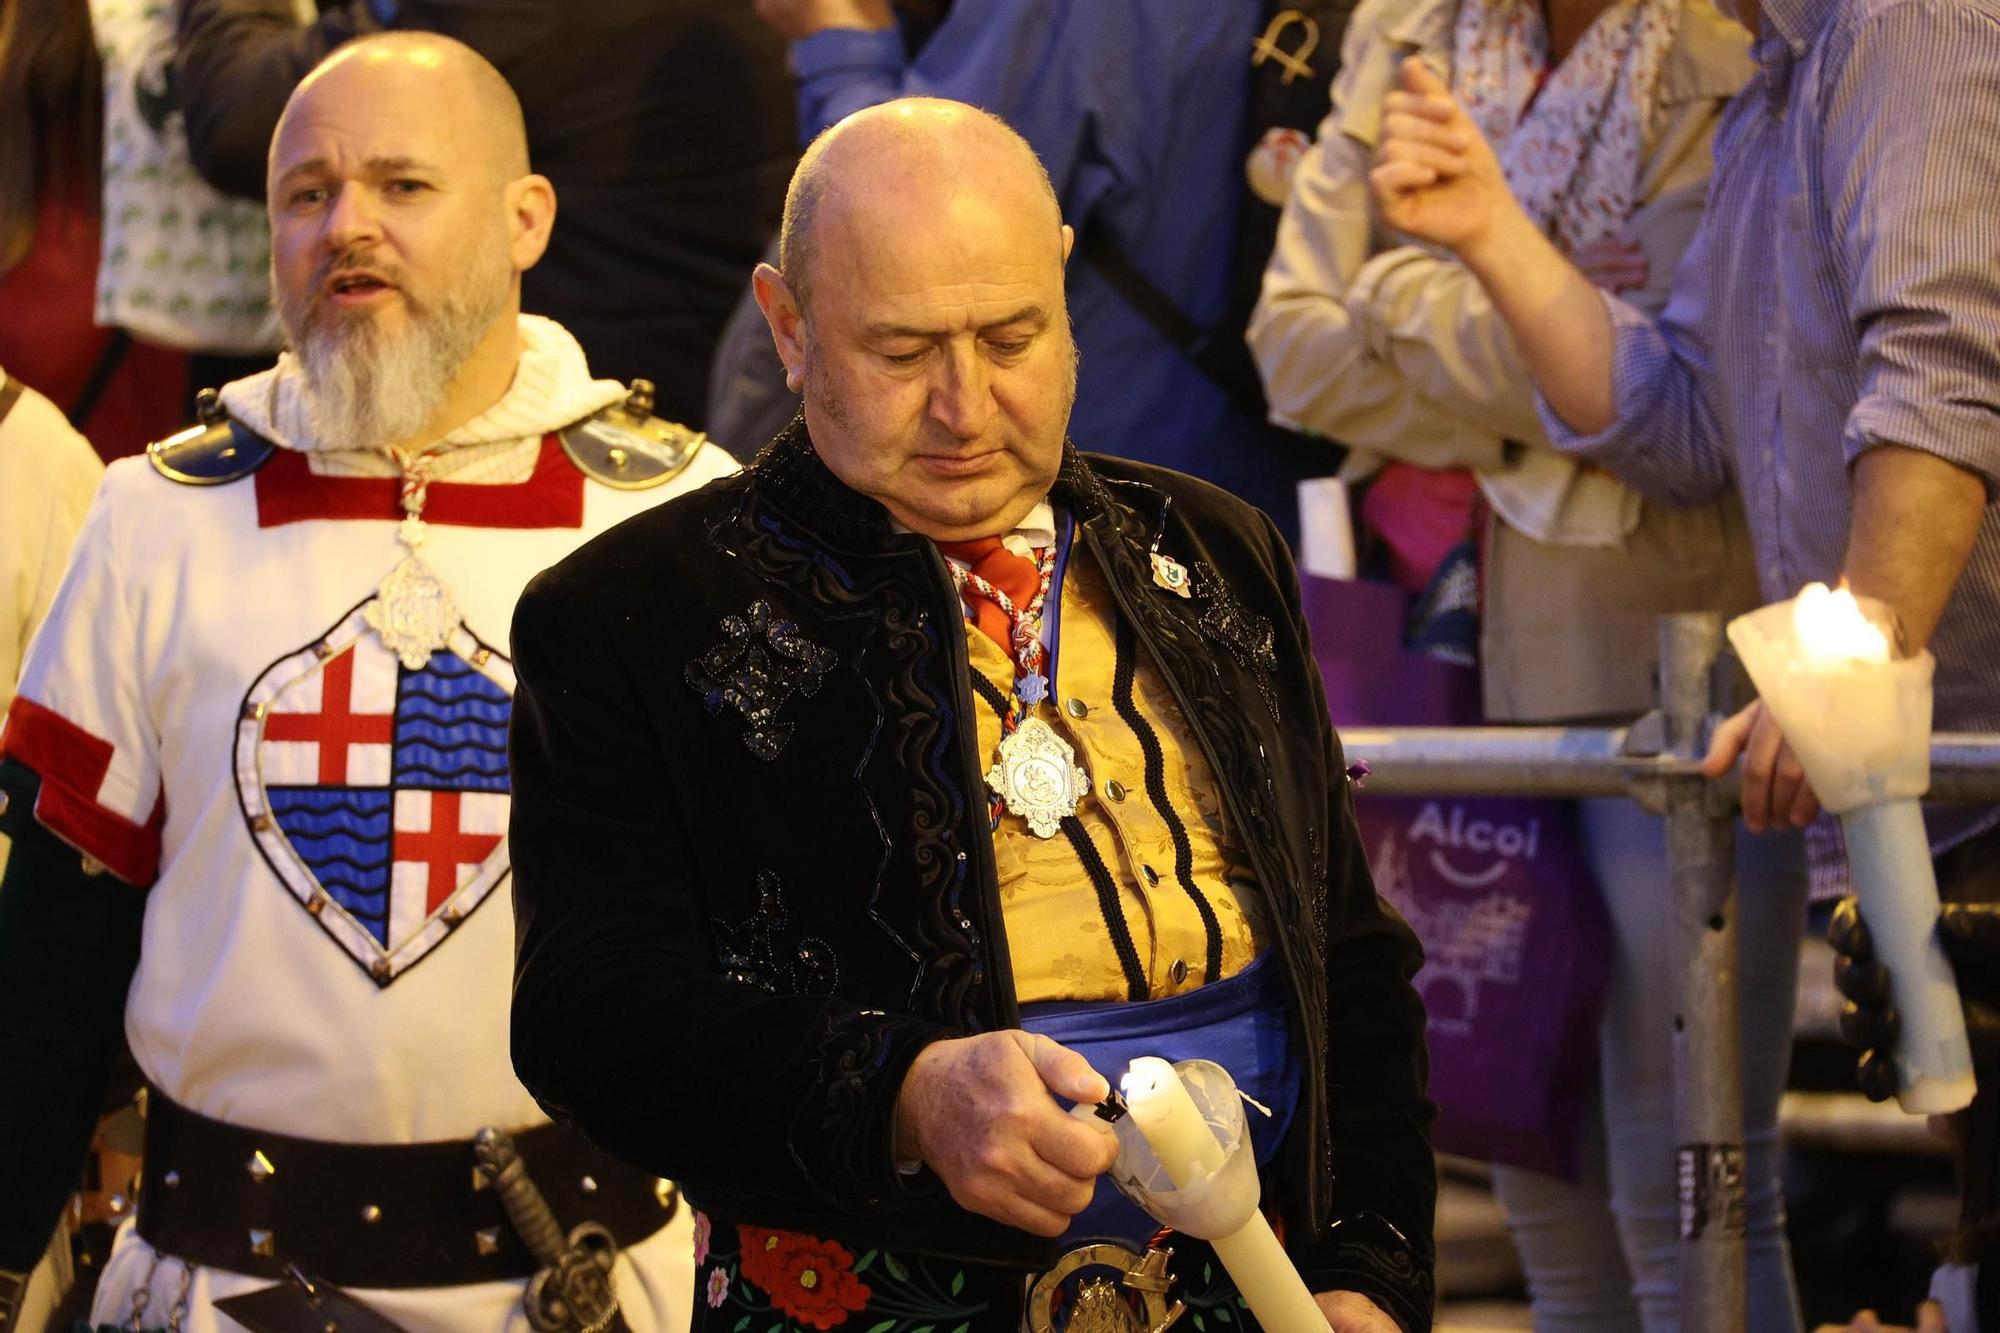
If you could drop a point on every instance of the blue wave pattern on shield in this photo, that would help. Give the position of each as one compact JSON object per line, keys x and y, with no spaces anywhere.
{"x":451,"y":728}
{"x":342,"y":834}
{"x":377,"y":793}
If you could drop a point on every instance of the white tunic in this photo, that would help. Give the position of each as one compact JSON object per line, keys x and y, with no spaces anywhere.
{"x":328,"y":945}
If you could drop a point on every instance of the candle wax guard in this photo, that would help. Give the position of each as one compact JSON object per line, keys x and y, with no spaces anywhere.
{"x":1210,"y":1170}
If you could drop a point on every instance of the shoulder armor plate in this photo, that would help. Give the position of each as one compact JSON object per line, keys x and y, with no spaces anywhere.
{"x":625,"y":446}
{"x":211,"y":453}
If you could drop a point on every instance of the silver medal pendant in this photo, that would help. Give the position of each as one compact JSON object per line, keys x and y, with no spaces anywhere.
{"x":412,"y":613}
{"x":1036,"y":775}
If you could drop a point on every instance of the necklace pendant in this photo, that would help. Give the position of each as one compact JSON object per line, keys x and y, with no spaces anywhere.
{"x":1032,"y":688}
{"x":412,"y":613}
{"x":1036,"y":775}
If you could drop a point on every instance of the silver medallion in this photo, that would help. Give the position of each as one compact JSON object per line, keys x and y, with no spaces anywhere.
{"x":412,"y":613}
{"x":1036,"y":774}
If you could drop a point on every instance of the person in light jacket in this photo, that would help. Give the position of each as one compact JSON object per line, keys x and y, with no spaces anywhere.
{"x":1606,"y":113}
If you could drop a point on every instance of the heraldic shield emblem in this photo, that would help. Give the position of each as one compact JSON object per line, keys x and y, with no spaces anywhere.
{"x":378,"y":792}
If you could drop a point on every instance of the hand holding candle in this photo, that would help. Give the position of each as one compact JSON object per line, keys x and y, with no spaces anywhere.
{"x":1187,"y":1146}
{"x":1859,"y":720}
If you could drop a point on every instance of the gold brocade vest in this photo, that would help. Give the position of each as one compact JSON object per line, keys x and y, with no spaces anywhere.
{"x":1057,"y":934}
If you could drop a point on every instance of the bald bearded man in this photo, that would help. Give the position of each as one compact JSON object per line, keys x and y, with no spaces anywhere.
{"x":930,"y":771}
{"x":256,"y":775}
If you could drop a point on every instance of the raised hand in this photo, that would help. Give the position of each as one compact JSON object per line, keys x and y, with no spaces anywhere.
{"x":1435,"y":177}
{"x":979,"y":1112}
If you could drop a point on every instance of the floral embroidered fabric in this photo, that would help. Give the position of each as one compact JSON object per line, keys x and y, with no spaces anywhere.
{"x":756,"y":1280}
{"x":759,"y":1280}
{"x":1571,"y":151}
{"x":761,"y":663}
{"x":758,"y":952}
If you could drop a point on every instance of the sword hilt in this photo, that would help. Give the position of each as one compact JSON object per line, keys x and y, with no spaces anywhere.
{"x":533,"y":1221}
{"x":574,"y":1291}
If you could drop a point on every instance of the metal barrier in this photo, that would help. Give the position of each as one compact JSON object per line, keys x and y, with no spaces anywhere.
{"x":1656,"y":762}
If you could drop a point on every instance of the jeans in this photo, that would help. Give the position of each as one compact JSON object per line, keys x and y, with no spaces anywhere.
{"x":1602,"y":1255}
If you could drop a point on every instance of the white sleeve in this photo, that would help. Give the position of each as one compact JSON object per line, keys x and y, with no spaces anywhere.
{"x":80,"y":719}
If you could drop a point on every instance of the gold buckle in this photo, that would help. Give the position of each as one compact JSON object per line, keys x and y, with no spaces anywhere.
{"x":1096,"y":1305}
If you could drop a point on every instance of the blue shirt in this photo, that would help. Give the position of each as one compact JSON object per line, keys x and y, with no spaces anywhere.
{"x":1136,"y":108}
{"x":1843,"y":293}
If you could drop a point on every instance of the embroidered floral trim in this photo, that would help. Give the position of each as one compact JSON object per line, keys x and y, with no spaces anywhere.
{"x":753,"y":950}
{"x":808,"y":1279}
{"x":1212,"y":1300}
{"x":756,"y":670}
{"x":799,"y":1281}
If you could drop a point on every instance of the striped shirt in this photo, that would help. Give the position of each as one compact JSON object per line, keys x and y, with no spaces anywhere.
{"x":1843,"y":292}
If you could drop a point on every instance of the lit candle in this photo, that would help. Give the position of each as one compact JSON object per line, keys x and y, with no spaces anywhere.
{"x":1833,"y":630}
{"x":1179,"y":1135}
{"x":1859,"y":720}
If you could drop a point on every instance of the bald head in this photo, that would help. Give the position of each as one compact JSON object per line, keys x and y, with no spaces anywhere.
{"x":936,"y":361}
{"x":403,"y":214}
{"x":436,"y":77}
{"x":907,"y":162}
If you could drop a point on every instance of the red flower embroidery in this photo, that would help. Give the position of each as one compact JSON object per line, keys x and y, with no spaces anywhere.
{"x":809,"y":1279}
{"x":758,"y":1247}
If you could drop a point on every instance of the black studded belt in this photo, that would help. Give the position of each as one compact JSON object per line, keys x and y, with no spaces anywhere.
{"x":365,"y":1214}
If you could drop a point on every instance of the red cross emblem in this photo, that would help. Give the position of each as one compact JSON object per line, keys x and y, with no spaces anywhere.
{"x":336,"y":728}
{"x":377,"y":791}
{"x":445,"y":848}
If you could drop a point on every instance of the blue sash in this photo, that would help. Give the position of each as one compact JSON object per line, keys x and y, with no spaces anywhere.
{"x":1242,"y":1024}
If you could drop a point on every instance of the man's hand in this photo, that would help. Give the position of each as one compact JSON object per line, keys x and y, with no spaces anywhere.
{"x":1612,"y":263}
{"x":978,"y":1111}
{"x":1970,"y":936}
{"x":1775,"y":790}
{"x":1350,"y":1312}
{"x":1930,"y":1319}
{"x":796,"y":19}
{"x":1435,"y":177}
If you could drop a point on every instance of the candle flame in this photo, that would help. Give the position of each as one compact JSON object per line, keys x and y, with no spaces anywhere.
{"x":1140,"y":1083}
{"x":1832,"y":628}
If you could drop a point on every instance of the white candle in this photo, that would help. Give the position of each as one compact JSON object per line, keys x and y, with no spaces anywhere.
{"x":1858,"y":717}
{"x":1181,"y":1138}
{"x":1172,"y":1123}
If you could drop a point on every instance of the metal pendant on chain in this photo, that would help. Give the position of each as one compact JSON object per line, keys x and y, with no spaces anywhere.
{"x":413,"y":613}
{"x":1035,"y":774}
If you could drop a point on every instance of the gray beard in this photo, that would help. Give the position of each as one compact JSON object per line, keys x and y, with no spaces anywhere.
{"x":369,"y":390}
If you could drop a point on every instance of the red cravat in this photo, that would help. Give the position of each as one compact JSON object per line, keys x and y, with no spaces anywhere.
{"x":1012,"y":574}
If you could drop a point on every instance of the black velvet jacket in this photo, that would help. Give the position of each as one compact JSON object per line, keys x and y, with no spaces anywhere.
{"x":754,"y":875}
